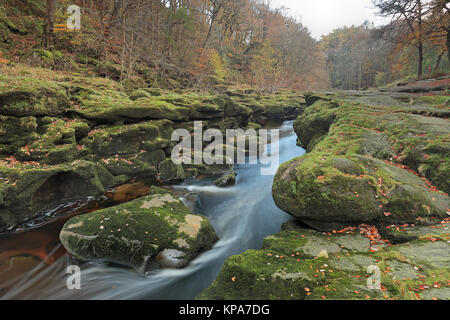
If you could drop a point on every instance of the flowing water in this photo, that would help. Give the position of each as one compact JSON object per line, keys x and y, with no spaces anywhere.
{"x":242,"y":215}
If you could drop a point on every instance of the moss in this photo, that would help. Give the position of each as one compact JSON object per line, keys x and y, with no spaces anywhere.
{"x":57,"y":142}
{"x":435,"y":101}
{"x":108,"y":69}
{"x":283,"y":269}
{"x":135,"y":233}
{"x":342,"y":179}
{"x":261,"y":108}
{"x":21,"y":96}
{"x":171,"y":172}
{"x":130,"y":84}
{"x":109,"y":109}
{"x":155,"y":92}
{"x":41,"y":58}
{"x":27,"y":187}
{"x":147,"y":74}
{"x":129,"y":139}
{"x":16,"y":132}
{"x":139,"y":94}
{"x":278,"y":272}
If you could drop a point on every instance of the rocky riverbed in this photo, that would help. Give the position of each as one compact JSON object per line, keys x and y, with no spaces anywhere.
{"x":369,"y":200}
{"x":374,"y":186}
{"x":72,"y":136}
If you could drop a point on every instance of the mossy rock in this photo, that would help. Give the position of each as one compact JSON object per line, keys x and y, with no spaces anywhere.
{"x":16,"y":132}
{"x":417,"y":136}
{"x":129,"y":139}
{"x":41,"y":58}
{"x":227,"y":180}
{"x":291,"y":266}
{"x":302,"y":264}
{"x":269,"y":107}
{"x":56,"y":143}
{"x":109,"y":69}
{"x":131,"y":166}
{"x":130,"y":84}
{"x":110,"y":109}
{"x":140,"y":93}
{"x":155,"y":92}
{"x":170,"y":172}
{"x":358,"y":168}
{"x":150,"y":232}
{"x":320,"y":187}
{"x":26,"y":188}
{"x":23,"y":97}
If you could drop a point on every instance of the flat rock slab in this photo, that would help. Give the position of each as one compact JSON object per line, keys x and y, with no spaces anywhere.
{"x":290,"y":267}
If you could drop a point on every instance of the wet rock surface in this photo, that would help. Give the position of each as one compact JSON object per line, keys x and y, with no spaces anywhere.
{"x":366,"y":164}
{"x":227,"y":180}
{"x":304,"y":264}
{"x":374,"y":187}
{"x":48,"y":127}
{"x":153,"y":231}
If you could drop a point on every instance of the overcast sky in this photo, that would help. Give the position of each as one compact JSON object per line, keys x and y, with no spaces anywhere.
{"x":323,"y":16}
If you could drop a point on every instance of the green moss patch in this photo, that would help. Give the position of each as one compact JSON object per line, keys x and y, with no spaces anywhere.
{"x":139,"y":233}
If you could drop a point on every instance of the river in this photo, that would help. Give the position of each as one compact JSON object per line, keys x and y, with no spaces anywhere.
{"x":242,"y":215}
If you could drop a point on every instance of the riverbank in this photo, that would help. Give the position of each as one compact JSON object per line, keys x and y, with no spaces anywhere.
{"x":370,"y":193}
{"x":374,"y":183}
{"x":66,"y":136}
{"x":241,"y":215}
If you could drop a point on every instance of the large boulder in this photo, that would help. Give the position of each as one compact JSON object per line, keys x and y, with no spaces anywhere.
{"x":365,"y":164}
{"x":329,"y":189}
{"x":153,"y":231}
{"x":384,"y":132}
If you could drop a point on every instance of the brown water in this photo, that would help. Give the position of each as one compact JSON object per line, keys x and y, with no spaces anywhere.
{"x":36,"y":243}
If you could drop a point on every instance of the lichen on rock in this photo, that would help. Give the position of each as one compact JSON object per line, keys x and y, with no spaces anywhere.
{"x":153,"y":231}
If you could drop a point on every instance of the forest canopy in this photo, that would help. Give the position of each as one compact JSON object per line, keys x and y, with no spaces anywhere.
{"x":414,"y":44}
{"x":212,"y":44}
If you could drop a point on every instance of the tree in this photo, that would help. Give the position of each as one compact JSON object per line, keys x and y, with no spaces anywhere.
{"x":199,"y":43}
{"x":213,"y":9}
{"x":50,"y":23}
{"x":438,"y":24}
{"x":354,"y":56}
{"x":407,"y":26}
{"x":264,"y":67}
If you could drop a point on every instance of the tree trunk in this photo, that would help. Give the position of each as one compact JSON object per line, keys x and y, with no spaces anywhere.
{"x":50,"y":35}
{"x":438,"y":62}
{"x":420,"y":61}
{"x":115,"y":12}
{"x":448,"y":45}
{"x":209,"y":31}
{"x":420,"y":38}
